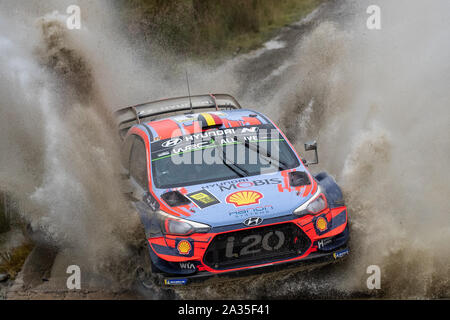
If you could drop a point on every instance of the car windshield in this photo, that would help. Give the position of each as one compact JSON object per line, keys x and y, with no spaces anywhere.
{"x":220,"y":154}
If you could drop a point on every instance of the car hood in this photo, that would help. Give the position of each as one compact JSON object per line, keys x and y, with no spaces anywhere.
{"x":233,"y":201}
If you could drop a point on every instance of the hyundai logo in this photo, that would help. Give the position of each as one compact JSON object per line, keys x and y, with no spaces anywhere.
{"x":171,"y":143}
{"x":253,"y":221}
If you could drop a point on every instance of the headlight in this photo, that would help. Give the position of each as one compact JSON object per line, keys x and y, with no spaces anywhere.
{"x":316,"y":204}
{"x":180,"y":227}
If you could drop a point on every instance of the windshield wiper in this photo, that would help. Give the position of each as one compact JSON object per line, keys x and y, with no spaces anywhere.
{"x":265,"y":154}
{"x":230,"y":164}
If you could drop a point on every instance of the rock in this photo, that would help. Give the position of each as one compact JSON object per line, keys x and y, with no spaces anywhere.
{"x":4,"y":277}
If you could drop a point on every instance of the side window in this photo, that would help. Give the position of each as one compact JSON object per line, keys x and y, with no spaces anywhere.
{"x":138,"y":163}
{"x":126,"y":150}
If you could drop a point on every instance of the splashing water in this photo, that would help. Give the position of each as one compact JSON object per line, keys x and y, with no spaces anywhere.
{"x":377,"y":103}
{"x":381,"y":118}
{"x":59,"y":154}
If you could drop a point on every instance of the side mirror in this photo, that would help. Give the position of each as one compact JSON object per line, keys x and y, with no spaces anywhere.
{"x":312,"y":146}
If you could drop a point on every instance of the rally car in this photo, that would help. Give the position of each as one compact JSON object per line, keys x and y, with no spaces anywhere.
{"x":221,"y":191}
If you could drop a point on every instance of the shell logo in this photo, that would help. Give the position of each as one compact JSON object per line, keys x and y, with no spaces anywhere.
{"x":321,"y":224}
{"x":243,"y":198}
{"x":184,"y":247}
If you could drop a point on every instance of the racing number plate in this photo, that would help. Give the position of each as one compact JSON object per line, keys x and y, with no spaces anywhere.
{"x":255,"y":243}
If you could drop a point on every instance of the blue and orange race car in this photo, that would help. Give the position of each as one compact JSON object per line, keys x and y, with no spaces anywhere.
{"x":221,"y":191}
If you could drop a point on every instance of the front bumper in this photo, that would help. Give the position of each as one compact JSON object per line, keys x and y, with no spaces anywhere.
{"x":324,"y":247}
{"x":313,"y":260}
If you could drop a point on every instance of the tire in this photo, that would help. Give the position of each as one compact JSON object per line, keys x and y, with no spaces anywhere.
{"x":149,"y":283}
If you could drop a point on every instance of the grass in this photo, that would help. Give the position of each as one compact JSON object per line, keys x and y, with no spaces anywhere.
{"x":12,"y":262}
{"x":287,"y":12}
{"x":212,"y":28}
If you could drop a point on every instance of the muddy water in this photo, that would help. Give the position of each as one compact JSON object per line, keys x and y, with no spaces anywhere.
{"x":59,"y":153}
{"x":377,"y":103}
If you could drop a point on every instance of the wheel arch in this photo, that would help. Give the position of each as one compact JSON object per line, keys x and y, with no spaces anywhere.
{"x":332,"y":190}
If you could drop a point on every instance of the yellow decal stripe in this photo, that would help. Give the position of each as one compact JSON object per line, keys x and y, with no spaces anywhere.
{"x":209,"y":119}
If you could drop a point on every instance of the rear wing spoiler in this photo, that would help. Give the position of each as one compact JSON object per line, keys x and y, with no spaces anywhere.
{"x":129,"y":116}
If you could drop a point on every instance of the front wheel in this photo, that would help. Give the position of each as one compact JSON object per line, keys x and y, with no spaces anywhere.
{"x":149,"y":283}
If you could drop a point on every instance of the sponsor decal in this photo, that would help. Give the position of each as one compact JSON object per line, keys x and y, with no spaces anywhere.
{"x":192,"y":147}
{"x":171,"y":143}
{"x":150,"y":201}
{"x":244,"y":198}
{"x":247,"y":212}
{"x":231,"y":132}
{"x":243,"y":184}
{"x":340,"y":254}
{"x":187,"y":265}
{"x":199,"y":144}
{"x":209,"y":134}
{"x":162,"y":154}
{"x":203,"y":198}
{"x":185,"y":105}
{"x":321,"y":224}
{"x":184,"y":247}
{"x":323,"y":242}
{"x":175,"y":282}
{"x":184,"y":118}
{"x":209,"y":120}
{"x":222,"y":183}
{"x":192,"y":117}
{"x":253,"y":221}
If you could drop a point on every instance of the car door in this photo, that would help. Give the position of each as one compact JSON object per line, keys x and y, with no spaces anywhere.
{"x":145,"y":204}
